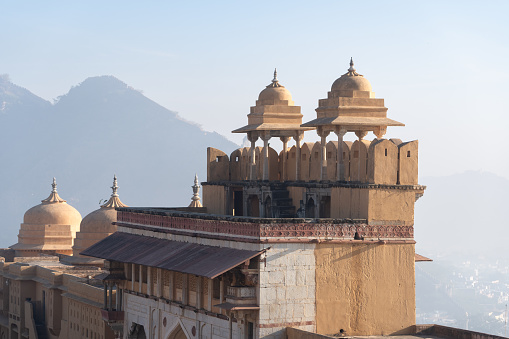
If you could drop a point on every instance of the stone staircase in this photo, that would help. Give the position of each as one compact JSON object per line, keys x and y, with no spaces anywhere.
{"x":282,"y":206}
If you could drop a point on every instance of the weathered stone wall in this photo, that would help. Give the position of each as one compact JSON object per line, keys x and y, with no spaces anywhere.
{"x":287,"y":289}
{"x":214,"y":198}
{"x":364,"y":289}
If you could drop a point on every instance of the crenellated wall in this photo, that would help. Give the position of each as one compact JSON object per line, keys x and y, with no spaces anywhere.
{"x":381,"y":161}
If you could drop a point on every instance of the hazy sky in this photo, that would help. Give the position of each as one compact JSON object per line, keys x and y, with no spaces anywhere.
{"x":441,"y":66}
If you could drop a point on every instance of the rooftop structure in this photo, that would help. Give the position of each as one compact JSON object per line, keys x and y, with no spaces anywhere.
{"x":49,"y":227}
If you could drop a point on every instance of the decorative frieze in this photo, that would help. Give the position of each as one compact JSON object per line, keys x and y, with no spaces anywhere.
{"x":231,"y":228}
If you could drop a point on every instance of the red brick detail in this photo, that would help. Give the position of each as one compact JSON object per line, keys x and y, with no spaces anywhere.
{"x":275,"y":230}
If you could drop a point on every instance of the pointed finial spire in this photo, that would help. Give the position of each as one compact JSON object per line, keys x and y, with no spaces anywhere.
{"x":115,"y":186}
{"x":114,"y":200}
{"x":351,"y":69}
{"x":195,"y":200}
{"x":53,"y":197}
{"x":54,"y":185}
{"x":275,"y":75}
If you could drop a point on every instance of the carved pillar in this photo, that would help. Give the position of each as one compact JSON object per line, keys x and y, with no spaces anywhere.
{"x":360,"y":135}
{"x":340,"y":132}
{"x":380,"y":131}
{"x":283,"y":155}
{"x":266,"y":138}
{"x":251,"y":136}
{"x":323,"y":135}
{"x":299,"y":135}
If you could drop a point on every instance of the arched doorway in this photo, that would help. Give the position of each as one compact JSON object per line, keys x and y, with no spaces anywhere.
{"x":177,"y":333}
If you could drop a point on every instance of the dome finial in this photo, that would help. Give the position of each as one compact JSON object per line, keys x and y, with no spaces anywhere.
{"x":54,"y":185}
{"x":195,"y":200}
{"x":53,"y":197}
{"x":351,"y":69}
{"x":114,"y":200}
{"x":275,"y":75}
{"x":115,"y":186}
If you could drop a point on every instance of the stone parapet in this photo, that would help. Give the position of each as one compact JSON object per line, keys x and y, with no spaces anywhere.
{"x":258,"y":229}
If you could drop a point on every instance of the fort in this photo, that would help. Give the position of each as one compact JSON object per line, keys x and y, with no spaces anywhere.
{"x":315,"y":241}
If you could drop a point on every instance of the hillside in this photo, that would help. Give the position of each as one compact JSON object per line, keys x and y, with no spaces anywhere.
{"x":99,"y":128}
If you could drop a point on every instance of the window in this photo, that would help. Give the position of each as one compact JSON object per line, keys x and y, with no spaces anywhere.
{"x":386,"y":152}
{"x":408,"y":154}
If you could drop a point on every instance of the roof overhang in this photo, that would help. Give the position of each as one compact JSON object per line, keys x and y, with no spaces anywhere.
{"x":190,"y":258}
{"x":419,"y":258}
{"x":352,"y":122}
{"x":272,"y":127}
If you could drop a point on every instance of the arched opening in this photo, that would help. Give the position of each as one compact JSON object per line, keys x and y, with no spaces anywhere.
{"x":310,"y":208}
{"x":268,"y":207}
{"x":253,"y":206}
{"x":177,"y":333}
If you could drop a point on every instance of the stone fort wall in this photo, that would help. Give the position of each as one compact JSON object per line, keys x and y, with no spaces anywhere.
{"x":381,"y":161}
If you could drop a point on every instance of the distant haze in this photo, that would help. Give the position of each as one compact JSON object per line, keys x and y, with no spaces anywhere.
{"x":100,"y":128}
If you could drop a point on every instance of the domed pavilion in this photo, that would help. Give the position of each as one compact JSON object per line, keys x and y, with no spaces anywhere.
{"x":274,"y":115}
{"x":350,"y":106}
{"x":48,"y":228}
{"x":98,"y":224}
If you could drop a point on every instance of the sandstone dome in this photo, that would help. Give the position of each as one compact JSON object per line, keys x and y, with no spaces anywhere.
{"x":275,"y":91}
{"x":99,"y":221}
{"x":52,"y":211}
{"x":351,"y":81}
{"x":52,"y":214}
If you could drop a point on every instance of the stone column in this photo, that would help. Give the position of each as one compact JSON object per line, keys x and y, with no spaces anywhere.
{"x":360,"y":135}
{"x":133,"y":275}
{"x":283,"y":155}
{"x":199,"y":296}
{"x":105,"y":295}
{"x":117,"y":298}
{"x":266,"y":138}
{"x":323,"y":135}
{"x":299,"y":135}
{"x":110,"y":297}
{"x":251,"y":136}
{"x":159,"y":284}
{"x":170,"y":283}
{"x":149,"y":280}
{"x":209,"y":294}
{"x":340,"y":132}
{"x":140,"y":276}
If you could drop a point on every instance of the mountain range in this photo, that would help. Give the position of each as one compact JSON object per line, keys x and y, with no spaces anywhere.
{"x":101,"y":127}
